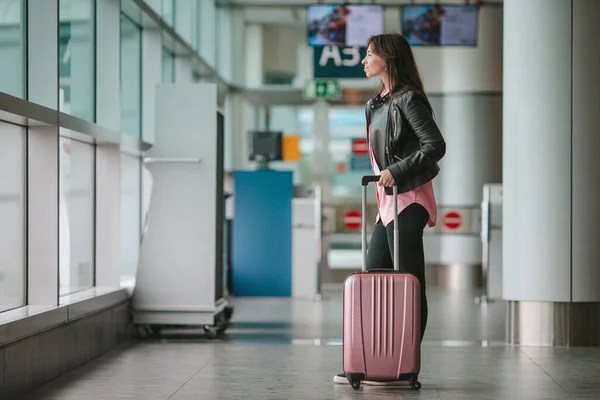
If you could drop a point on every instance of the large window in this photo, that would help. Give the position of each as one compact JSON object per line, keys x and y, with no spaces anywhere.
{"x":76,"y":58}
{"x":164,"y":8}
{"x":185,"y":23}
{"x":12,"y":47}
{"x":12,"y":215}
{"x":168,"y":14}
{"x":131,"y":77}
{"x":76,"y":211}
{"x":130,"y":214}
{"x":168,"y":66}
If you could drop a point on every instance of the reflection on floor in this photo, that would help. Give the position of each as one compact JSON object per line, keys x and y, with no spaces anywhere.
{"x":285,"y":349}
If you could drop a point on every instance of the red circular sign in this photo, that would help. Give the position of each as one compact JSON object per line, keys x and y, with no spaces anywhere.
{"x":452,"y":220}
{"x":359,"y":147}
{"x":352,"y":219}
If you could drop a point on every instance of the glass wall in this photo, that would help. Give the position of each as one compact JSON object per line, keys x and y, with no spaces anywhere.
{"x":168,"y":66}
{"x":76,"y":216}
{"x":168,"y":13}
{"x":130,"y":215}
{"x":12,"y":215}
{"x":76,"y":58}
{"x":185,"y":23}
{"x":346,"y":124}
{"x":12,"y":47}
{"x":131,"y":77}
{"x":73,"y":50}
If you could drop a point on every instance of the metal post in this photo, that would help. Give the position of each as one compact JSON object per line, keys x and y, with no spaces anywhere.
{"x":485,"y":242}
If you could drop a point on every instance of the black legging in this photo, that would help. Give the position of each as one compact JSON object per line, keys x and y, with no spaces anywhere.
{"x":411,"y":222}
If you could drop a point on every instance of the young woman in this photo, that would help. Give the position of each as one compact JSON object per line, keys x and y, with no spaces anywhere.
{"x":405,"y":146}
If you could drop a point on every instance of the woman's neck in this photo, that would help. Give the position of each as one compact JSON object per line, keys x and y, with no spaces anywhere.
{"x":386,"y":86}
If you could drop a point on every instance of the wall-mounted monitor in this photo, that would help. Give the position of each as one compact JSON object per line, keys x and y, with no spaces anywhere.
{"x":440,"y":25}
{"x":265,"y":146}
{"x":343,"y":25}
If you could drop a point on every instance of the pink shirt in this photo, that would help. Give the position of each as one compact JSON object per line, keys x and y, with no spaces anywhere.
{"x":422,"y":195}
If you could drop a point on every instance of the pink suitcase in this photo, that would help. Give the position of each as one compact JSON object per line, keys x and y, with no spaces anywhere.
{"x":381,"y":338}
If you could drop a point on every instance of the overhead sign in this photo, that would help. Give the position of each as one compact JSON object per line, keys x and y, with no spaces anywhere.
{"x":353,"y":219}
{"x":328,"y":89}
{"x":339,"y":62}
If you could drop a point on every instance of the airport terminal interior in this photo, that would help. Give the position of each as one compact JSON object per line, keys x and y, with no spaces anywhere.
{"x":182,"y":208}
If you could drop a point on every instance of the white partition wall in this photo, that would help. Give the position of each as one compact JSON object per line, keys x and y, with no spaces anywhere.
{"x":178,"y":282}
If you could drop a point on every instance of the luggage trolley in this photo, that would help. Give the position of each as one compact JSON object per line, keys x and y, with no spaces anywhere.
{"x":181,"y":276}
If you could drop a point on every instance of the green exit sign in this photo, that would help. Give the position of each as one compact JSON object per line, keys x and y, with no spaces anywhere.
{"x":329,"y":89}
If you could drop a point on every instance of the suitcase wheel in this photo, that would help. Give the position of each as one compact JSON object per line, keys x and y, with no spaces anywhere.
{"x":355,"y":385}
{"x":416,"y":385}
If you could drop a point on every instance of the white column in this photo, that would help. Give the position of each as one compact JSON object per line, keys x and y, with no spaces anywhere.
{"x":465,"y":86}
{"x":242,"y":121}
{"x":108,"y":215}
{"x":151,"y":76}
{"x":42,"y":221}
{"x":320,"y":174}
{"x":537,"y":152}
{"x":253,"y":55}
{"x":472,"y":128}
{"x":551,"y":191}
{"x":108,"y":64}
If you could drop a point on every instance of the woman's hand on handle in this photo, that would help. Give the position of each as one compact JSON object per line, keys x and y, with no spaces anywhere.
{"x":386,"y":179}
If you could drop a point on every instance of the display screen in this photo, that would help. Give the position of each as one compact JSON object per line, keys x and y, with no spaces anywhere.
{"x":440,"y":25}
{"x":343,"y":25}
{"x":266,"y":145}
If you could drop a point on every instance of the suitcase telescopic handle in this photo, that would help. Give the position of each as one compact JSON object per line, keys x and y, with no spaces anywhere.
{"x":365,"y":181}
{"x":369,"y":178}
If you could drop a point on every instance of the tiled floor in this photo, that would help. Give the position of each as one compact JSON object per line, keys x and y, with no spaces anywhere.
{"x":283,"y":349}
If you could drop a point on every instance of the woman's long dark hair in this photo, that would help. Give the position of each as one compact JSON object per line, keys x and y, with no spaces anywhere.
{"x":400,"y":64}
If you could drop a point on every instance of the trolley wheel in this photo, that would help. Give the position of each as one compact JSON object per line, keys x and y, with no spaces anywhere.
{"x":222,"y":328}
{"x":416,"y":385}
{"x":228,"y":313}
{"x":211,"y":331}
{"x":143,"y":332}
{"x":355,"y":385}
{"x":155,"y":330}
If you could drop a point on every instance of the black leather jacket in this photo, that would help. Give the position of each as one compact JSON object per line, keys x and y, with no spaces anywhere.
{"x":405,"y":138}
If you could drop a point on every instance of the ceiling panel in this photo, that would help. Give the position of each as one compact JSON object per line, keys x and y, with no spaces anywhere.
{"x":276,"y":16}
{"x":301,"y":3}
{"x":293,"y":12}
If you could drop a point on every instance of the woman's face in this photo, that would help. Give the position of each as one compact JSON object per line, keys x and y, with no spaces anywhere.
{"x":374,"y":65}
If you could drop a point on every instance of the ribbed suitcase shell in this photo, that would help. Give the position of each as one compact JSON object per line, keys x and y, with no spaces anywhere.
{"x":382,"y":327}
